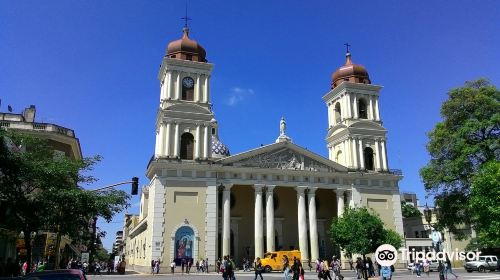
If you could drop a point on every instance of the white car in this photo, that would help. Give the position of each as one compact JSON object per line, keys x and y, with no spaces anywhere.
{"x":484,"y":263}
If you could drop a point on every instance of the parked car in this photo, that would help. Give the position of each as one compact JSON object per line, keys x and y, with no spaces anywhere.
{"x":63,"y":274}
{"x":484,"y":263}
{"x":432,"y":267}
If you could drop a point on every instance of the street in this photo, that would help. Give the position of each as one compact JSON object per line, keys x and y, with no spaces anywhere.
{"x":400,"y":274}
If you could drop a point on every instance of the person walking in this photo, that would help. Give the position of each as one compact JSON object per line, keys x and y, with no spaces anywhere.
{"x":448,"y":268}
{"x":172,"y":267}
{"x":427,"y":267}
{"x":336,"y":266}
{"x":258,"y":269}
{"x":157,"y":266}
{"x":385,"y":273}
{"x":152,"y":266}
{"x":295,"y":268}
{"x":326,"y":271}
{"x":286,"y":267}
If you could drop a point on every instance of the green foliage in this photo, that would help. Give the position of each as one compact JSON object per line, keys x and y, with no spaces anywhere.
{"x":409,"y":210}
{"x":484,"y":204}
{"x":41,"y":191}
{"x":359,"y":231}
{"x":459,"y":145}
{"x":102,"y":255}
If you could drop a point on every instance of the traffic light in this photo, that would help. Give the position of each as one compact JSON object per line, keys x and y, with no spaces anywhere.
{"x":135,"y":185}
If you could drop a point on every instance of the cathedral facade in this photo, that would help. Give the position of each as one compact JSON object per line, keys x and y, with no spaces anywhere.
{"x":203,"y":203}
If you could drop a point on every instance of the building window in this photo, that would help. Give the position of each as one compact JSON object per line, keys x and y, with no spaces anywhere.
{"x":368,"y":153}
{"x":187,"y":146}
{"x":363,"y":113}
{"x":187,"y":89}
{"x":213,"y":131}
{"x":189,"y":57}
{"x":338,"y":113}
{"x":416,"y":234}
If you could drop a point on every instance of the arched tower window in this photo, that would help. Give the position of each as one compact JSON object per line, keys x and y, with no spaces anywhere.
{"x":187,"y":146}
{"x":187,"y":89}
{"x":368,"y":154}
{"x":338,"y":157}
{"x":338,"y":113}
{"x":363,"y":112}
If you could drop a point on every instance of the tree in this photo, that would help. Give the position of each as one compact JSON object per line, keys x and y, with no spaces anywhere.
{"x":358,"y":231}
{"x":467,"y":137}
{"x":41,"y":191}
{"x":409,"y":210}
{"x":484,"y":205}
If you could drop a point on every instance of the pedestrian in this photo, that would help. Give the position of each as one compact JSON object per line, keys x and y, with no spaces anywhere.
{"x":286,"y":267}
{"x":157,"y":266}
{"x":301,"y":272}
{"x":359,"y":268}
{"x":183,"y":265}
{"x":371,"y":270}
{"x":448,"y":268}
{"x":295,"y":268}
{"x":385,"y":273}
{"x":427,"y":268}
{"x":441,"y":270}
{"x":189,"y":264}
{"x":197,"y":266}
{"x":326,"y":271}
{"x":351,"y":267}
{"x":172,"y":266}
{"x":223,"y":267}
{"x":336,"y":266}
{"x":258,"y":269}
{"x":217,"y":265}
{"x":206,"y":265}
{"x":418,"y":268}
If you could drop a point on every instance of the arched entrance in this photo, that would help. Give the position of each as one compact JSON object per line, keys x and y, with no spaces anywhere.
{"x":187,"y":146}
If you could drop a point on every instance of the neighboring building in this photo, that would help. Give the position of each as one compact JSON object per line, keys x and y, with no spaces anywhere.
{"x":417,"y":233}
{"x":64,"y":143}
{"x":409,"y":198}
{"x":118,"y":244}
{"x":202,"y":202}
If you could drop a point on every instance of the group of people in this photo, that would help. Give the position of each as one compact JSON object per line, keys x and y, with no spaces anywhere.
{"x":444,"y":268}
{"x":226,"y":267}
{"x":186,"y":264}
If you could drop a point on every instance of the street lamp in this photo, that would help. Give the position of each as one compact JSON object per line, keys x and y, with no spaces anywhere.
{"x":428,"y":214}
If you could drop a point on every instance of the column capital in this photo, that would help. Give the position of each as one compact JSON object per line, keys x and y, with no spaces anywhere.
{"x":270,"y":188}
{"x":339,"y":191}
{"x":301,"y":189}
{"x":258,"y":187}
{"x":312,"y":190}
{"x":225,"y":187}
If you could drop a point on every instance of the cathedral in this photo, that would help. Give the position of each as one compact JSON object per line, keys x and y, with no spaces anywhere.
{"x":204,"y":203}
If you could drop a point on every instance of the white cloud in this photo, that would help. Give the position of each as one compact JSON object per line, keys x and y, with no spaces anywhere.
{"x":237,"y":94}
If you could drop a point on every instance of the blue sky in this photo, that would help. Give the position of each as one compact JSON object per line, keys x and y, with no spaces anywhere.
{"x":92,"y":66}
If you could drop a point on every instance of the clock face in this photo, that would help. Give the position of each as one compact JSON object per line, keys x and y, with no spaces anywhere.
{"x":188,"y":82}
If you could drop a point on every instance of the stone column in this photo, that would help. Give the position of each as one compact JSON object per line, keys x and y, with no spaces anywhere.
{"x":206,"y":144}
{"x":355,"y":153}
{"x":361,"y":154}
{"x":372,"y":117}
{"x":197,"y":145}
{"x":384,"y":156}
{"x":167,"y":84}
{"x":258,"y":228}
{"x":340,"y":202}
{"x":313,"y":224}
{"x":344,"y":150}
{"x":329,"y":108}
{"x":161,"y":140}
{"x":167,"y":140}
{"x":226,"y":220}
{"x":205,"y":89}
{"x":302,"y":222}
{"x":349,"y":108}
{"x":355,"y":107}
{"x":178,"y":87}
{"x":270,"y":219}
{"x":197,"y":93}
{"x":176,"y":140}
{"x":377,"y":114}
{"x":377,"y":155}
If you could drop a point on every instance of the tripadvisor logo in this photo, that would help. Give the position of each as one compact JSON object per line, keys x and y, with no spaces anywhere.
{"x":386,"y":255}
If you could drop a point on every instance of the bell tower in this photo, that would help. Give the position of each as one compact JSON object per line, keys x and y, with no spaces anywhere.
{"x":355,"y":137}
{"x":185,"y":122}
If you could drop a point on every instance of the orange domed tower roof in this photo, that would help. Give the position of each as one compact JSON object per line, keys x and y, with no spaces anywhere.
{"x":350,"y":72}
{"x":186,"y":48}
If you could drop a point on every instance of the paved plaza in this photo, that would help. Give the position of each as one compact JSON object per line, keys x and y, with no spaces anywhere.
{"x":400,"y":274}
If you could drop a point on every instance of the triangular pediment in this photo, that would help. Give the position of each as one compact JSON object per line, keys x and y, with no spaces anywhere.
{"x":284,"y":156}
